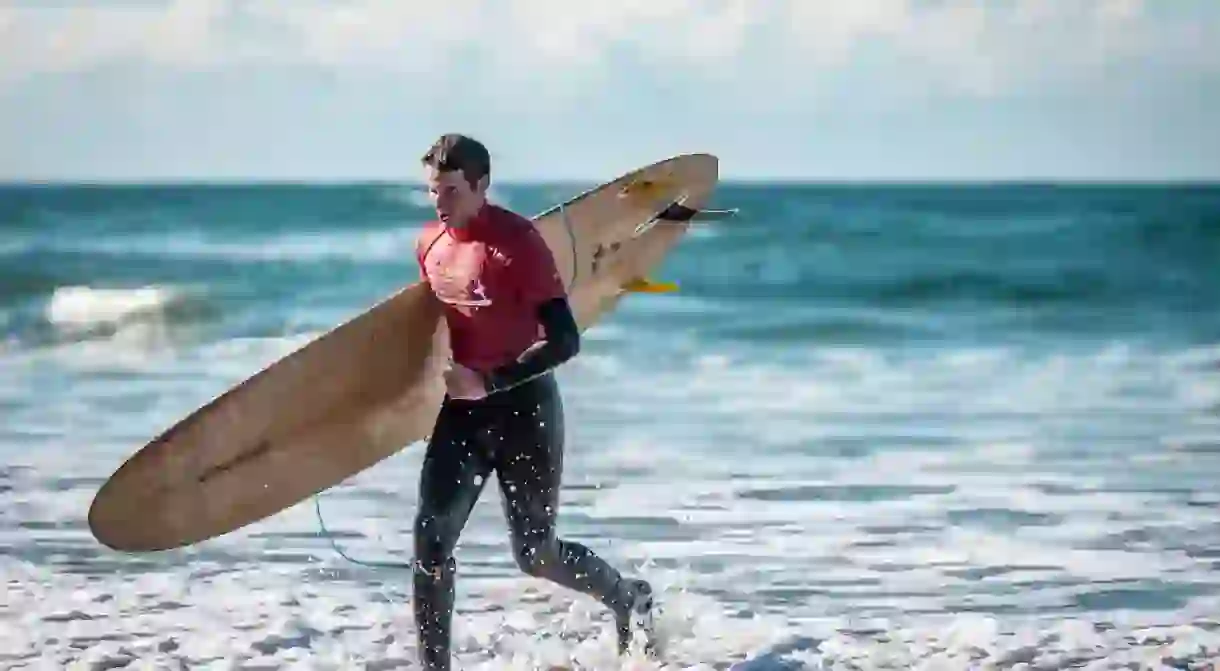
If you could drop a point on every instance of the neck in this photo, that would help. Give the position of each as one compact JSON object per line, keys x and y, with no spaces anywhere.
{"x":469,"y":225}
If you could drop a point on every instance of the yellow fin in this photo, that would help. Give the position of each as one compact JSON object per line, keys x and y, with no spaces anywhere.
{"x":643,"y":285}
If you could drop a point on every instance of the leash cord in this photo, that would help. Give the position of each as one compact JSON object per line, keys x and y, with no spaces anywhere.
{"x":317,"y":506}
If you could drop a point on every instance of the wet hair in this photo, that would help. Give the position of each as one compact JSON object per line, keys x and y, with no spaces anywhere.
{"x":454,"y":151}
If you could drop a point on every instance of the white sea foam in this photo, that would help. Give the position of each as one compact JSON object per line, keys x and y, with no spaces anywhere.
{"x":83,"y":307}
{"x":270,"y":618}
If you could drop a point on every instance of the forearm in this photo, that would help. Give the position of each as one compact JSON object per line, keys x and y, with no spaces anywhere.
{"x":560,"y":343}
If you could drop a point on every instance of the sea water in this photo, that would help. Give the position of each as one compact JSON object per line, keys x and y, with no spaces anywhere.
{"x":879,"y":427}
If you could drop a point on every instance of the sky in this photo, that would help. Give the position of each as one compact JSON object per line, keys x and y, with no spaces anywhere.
{"x":164,"y":90}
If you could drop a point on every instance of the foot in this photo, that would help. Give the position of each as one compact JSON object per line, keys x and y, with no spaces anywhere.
{"x":636,"y":615}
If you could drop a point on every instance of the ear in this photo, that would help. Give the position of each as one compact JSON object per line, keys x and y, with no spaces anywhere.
{"x":483,"y":184}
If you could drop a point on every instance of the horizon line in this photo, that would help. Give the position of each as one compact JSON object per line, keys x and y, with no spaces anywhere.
{"x":585,"y":181}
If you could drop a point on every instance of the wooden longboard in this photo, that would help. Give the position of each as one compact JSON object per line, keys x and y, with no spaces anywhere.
{"x":372,"y":386}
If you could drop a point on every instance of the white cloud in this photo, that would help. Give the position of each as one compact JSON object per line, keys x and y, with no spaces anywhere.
{"x":981,"y":48}
{"x":976,"y":47}
{"x":829,"y":32}
{"x":402,"y":36}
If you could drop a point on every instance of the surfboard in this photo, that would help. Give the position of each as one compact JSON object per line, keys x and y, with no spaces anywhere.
{"x":373,"y":385}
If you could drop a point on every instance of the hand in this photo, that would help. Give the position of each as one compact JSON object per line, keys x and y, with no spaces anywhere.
{"x":464,"y":383}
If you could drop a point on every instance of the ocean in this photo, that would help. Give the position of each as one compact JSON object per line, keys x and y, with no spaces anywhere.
{"x":878,"y":427}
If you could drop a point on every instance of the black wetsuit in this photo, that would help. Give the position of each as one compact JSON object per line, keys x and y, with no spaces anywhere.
{"x":517,"y":433}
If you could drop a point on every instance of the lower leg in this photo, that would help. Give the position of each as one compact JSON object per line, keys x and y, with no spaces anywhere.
{"x":576,"y":567}
{"x":530,"y":470}
{"x":569,"y":564}
{"x":433,"y":606}
{"x":454,"y":470}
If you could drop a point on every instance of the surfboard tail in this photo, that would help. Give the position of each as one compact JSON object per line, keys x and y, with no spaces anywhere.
{"x":675,"y":213}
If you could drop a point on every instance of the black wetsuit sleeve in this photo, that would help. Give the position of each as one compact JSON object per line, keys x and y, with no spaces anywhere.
{"x":561,"y":341}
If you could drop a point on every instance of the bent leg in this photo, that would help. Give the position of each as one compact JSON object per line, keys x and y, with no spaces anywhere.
{"x":529,"y":467}
{"x":454,"y":470}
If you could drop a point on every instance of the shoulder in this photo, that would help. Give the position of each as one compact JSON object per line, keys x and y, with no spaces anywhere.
{"x":527,"y":257}
{"x":517,"y":231}
{"x":509,"y":221}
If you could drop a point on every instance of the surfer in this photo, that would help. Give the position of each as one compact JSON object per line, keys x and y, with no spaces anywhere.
{"x":502,"y":412}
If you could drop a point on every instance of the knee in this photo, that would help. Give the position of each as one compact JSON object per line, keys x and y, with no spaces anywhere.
{"x":431,"y":576}
{"x":537,"y":559}
{"x":434,"y":542}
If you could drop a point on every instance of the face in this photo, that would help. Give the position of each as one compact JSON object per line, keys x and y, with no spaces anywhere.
{"x":453,"y":197}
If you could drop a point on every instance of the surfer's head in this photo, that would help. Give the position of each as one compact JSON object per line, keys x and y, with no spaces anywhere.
{"x":457,"y":170}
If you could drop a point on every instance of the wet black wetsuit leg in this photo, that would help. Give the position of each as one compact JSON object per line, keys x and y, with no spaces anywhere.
{"x":528,"y":434}
{"x":456,"y":466}
{"x":520,"y":434}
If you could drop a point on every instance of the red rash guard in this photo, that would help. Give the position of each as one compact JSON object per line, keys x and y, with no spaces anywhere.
{"x":491,"y":275}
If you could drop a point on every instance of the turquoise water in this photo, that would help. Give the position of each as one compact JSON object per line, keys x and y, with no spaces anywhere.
{"x":898,"y":425}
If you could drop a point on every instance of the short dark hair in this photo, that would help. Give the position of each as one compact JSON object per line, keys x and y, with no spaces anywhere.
{"x":454,"y":151}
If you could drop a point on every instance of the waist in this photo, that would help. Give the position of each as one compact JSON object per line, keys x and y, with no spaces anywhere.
{"x":540,"y":390}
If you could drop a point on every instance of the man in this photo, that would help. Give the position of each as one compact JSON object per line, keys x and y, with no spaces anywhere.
{"x":502,"y":412}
